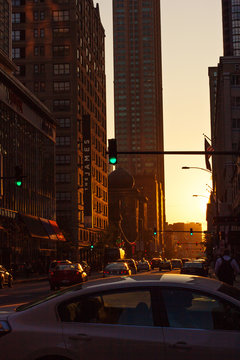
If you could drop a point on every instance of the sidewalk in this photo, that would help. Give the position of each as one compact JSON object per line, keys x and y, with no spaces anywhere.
{"x":212,"y":275}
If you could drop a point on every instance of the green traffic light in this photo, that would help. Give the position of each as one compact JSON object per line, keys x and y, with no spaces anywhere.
{"x":18,"y":183}
{"x":113,"y":160}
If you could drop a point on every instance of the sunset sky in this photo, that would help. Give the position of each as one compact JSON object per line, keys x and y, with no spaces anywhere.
{"x":191,"y":42}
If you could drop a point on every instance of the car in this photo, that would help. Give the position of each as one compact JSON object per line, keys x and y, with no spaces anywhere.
{"x":185,"y":260}
{"x":67,"y":274}
{"x":176,"y":263}
{"x":165,"y":265}
{"x":54,"y":263}
{"x":157,"y":316}
{"x":86,"y":267}
{"x":6,"y":277}
{"x":194,"y":268}
{"x":131,"y":263}
{"x":143,"y":265}
{"x":155,"y":262}
{"x":116,"y":268}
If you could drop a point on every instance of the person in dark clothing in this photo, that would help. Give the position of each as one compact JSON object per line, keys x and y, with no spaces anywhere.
{"x":226,"y":268}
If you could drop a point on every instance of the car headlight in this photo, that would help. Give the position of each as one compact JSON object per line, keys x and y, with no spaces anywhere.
{"x":4,"y":327}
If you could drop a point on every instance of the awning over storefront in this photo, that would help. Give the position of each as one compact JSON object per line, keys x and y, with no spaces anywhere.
{"x":34,"y":226}
{"x":49,"y":229}
{"x":57,"y":231}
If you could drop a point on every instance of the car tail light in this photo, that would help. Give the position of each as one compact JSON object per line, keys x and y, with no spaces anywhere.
{"x":106,"y":272}
{"x":77,"y":273}
{"x":4,"y":327}
{"x":123,"y":272}
{"x":51,"y":273}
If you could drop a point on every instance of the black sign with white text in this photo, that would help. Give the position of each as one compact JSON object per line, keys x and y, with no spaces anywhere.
{"x":87,"y":178}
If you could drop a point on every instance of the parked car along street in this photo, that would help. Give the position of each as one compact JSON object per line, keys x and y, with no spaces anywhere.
{"x":143,"y":265}
{"x":116,"y":268}
{"x":167,"y":316}
{"x":165,"y":265}
{"x":67,"y":274}
{"x":5,"y":277}
{"x":155,"y":262}
{"x":131,"y":264}
{"x":194,"y":268}
{"x":176,"y":263}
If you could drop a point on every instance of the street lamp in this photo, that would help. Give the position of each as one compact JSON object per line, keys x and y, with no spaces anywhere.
{"x":194,"y":167}
{"x":201,"y":196}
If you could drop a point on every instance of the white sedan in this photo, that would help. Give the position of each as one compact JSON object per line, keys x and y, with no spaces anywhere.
{"x":169,"y":316}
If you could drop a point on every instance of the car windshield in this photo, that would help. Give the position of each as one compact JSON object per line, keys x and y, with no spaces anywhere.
{"x":192,"y":264}
{"x":43,"y":299}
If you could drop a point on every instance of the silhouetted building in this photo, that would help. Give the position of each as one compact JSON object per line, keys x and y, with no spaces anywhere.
{"x":27,"y":149}
{"x":59,"y":49}
{"x":231,"y":27}
{"x":128,"y":211}
{"x":138,"y":100}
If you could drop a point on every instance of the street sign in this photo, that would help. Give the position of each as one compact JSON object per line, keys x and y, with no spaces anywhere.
{"x":226,"y":220}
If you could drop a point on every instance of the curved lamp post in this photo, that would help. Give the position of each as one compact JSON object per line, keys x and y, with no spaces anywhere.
{"x":194,"y":167}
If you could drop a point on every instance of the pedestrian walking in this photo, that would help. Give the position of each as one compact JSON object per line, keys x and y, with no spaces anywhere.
{"x":226,"y":268}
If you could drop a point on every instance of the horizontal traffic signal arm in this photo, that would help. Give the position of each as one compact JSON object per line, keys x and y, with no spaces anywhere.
{"x":179,"y":152}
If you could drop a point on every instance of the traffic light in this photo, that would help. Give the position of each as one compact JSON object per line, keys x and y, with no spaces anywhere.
{"x":92,"y":246}
{"x":191,"y":231}
{"x":196,"y":243}
{"x":155,"y":231}
{"x":18,"y":176}
{"x":112,"y":151}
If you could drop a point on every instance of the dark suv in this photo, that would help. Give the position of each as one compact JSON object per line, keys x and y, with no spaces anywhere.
{"x":155,"y":262}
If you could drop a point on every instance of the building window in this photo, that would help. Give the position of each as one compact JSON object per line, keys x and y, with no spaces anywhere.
{"x":59,"y":32}
{"x":61,"y":86}
{"x":35,"y":15}
{"x":61,"y":105}
{"x":63,"y":140}
{"x":21,"y":70}
{"x":63,"y":178}
{"x":63,"y":159}
{"x":39,"y":50}
{"x":42,"y":15}
{"x":64,"y":122}
{"x":18,"y":2}
{"x":18,"y":35}
{"x":63,"y":196}
{"x":61,"y":69}
{"x":18,"y":53}
{"x":42,"y":33}
{"x":235,"y":123}
{"x":60,"y":15}
{"x":18,"y":18}
{"x":61,"y":50}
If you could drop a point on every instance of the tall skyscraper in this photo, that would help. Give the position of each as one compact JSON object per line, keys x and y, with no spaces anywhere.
{"x":231,"y":27}
{"x":138,"y":100}
{"x":59,"y":48}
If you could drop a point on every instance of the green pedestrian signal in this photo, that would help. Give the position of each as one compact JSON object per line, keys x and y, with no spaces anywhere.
{"x":18,"y":176}
{"x":112,"y":151}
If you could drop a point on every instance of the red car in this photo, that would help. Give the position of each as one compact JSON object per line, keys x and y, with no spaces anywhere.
{"x":66,"y":274}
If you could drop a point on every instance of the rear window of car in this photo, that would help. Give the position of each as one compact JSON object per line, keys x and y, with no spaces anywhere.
{"x":119,"y":265}
{"x":65,"y":267}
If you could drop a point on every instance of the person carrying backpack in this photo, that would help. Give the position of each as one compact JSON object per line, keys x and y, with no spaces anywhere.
{"x":226,"y":268}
